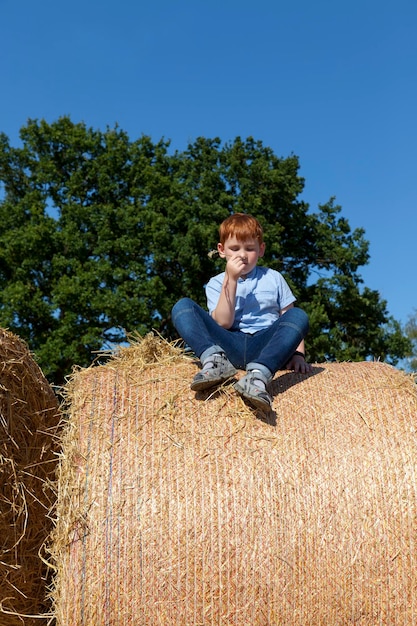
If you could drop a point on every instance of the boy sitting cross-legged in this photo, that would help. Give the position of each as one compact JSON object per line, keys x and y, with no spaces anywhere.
{"x":252,"y":323}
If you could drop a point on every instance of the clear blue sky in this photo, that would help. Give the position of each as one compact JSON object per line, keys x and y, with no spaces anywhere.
{"x":334,"y":82}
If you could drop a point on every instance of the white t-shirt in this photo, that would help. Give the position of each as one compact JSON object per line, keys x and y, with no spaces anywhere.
{"x":260,"y":297}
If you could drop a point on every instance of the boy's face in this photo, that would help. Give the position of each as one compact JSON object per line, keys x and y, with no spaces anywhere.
{"x":245,"y":253}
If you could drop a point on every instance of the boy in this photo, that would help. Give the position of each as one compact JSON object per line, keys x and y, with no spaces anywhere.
{"x":252,"y":323}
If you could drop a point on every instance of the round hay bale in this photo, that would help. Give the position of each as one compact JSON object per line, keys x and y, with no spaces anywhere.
{"x":174,"y":510}
{"x":29,"y":419}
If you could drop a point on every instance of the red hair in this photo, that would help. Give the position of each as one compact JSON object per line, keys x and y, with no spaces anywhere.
{"x":242,"y":226}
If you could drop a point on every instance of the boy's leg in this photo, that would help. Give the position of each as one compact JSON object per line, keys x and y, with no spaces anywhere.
{"x":198,"y":328}
{"x":274,"y":347}
{"x":204,"y":336}
{"x":268,"y":352}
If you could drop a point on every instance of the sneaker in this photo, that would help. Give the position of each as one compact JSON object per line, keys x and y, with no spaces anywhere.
{"x":217,"y":369}
{"x":252,"y":388}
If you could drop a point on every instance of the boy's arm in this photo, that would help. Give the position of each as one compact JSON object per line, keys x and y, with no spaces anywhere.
{"x":224,"y":313}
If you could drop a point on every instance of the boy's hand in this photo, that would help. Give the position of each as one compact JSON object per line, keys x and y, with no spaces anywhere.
{"x":235,"y":266}
{"x":299,"y":364}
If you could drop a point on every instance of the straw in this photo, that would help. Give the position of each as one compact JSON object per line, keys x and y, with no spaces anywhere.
{"x":29,"y":418}
{"x":182,"y":510}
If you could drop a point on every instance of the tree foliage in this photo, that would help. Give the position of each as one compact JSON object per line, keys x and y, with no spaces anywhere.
{"x":411,"y":334}
{"x":101,"y":235}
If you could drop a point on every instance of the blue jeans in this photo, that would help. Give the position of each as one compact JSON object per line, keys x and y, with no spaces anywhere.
{"x":271,"y":348}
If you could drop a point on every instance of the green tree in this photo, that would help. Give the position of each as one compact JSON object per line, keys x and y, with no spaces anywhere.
{"x":411,"y":333}
{"x":73,"y":254}
{"x":100,"y":236}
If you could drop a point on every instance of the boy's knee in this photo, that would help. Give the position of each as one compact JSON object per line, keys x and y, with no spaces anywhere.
{"x":304,"y":321}
{"x":181,"y":306}
{"x":300,"y":318}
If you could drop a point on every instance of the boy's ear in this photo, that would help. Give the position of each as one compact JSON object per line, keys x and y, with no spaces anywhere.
{"x":262,"y":249}
{"x":220,"y":250}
